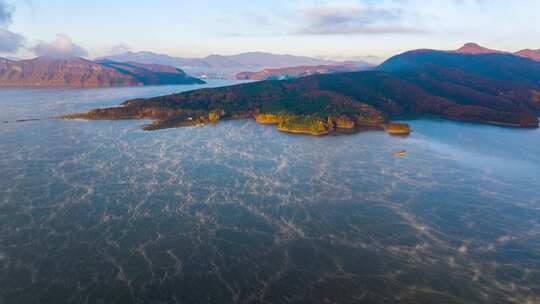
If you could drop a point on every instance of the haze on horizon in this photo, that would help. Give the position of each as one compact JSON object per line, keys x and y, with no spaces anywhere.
{"x":364,"y":29}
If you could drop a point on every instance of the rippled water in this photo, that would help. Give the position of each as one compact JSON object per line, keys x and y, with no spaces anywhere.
{"x":103,"y":212}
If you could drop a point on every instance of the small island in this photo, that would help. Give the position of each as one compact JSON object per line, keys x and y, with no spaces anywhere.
{"x":310,"y":124}
{"x":314,"y":112}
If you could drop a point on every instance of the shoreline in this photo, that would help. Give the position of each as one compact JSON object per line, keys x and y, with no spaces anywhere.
{"x":186,"y":120}
{"x":301,"y":124}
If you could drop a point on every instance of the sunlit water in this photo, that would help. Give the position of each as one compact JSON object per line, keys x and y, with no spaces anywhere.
{"x":103,"y":212}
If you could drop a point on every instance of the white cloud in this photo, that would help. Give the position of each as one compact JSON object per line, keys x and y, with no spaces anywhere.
{"x":10,"y":42}
{"x":353,"y":19}
{"x":62,"y":46}
{"x":120,"y":49}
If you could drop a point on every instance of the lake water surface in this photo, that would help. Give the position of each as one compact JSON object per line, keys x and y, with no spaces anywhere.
{"x":103,"y":212}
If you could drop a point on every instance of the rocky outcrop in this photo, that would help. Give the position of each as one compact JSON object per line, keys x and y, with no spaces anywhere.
{"x":309,"y":125}
{"x":272,"y":118}
{"x":176,"y":122}
{"x":268,"y":119}
{"x":344,"y":122}
{"x":397,"y":129}
{"x":215,"y":115}
{"x":81,"y":73}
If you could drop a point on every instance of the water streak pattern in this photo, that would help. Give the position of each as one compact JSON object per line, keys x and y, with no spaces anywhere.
{"x":103,"y":212}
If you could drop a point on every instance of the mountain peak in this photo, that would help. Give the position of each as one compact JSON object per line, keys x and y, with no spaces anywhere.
{"x":472,"y":45}
{"x":528,"y":53}
{"x":474,"y":48}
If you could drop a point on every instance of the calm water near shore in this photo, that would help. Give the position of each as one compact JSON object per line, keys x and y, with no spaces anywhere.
{"x":103,"y":212}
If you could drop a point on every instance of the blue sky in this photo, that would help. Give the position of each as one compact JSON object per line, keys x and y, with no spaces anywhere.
{"x":332,"y":29}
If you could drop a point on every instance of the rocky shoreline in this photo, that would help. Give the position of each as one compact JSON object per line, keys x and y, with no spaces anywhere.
{"x":284,"y":122}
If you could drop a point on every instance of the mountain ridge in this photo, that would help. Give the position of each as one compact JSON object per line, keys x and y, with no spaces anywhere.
{"x":254,"y":59}
{"x":224,"y":66}
{"x":78,"y":72}
{"x":493,"y":88}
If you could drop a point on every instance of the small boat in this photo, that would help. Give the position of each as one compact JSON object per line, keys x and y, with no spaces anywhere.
{"x":400,"y":154}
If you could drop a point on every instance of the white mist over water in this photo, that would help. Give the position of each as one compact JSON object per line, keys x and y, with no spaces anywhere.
{"x":238,"y":212}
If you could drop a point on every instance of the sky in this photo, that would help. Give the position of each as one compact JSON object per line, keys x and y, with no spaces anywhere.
{"x":344,"y":29}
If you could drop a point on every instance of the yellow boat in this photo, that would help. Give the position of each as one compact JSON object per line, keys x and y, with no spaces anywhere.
{"x":400,"y":154}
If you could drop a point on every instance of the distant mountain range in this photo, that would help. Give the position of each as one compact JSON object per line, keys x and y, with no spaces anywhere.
{"x":82,"y":73}
{"x":251,"y":59}
{"x":144,"y":68}
{"x":301,"y":71}
{"x":470,"y":84}
{"x":219,"y":66}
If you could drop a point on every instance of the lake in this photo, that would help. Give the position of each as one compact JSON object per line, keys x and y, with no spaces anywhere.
{"x":104,"y":212}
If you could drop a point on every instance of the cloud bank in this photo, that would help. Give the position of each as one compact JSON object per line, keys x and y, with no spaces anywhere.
{"x":330,"y":20}
{"x":62,"y":46}
{"x":120,"y":49}
{"x":9,"y":42}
